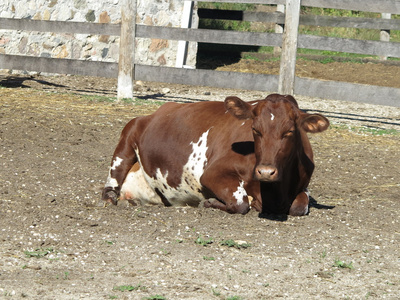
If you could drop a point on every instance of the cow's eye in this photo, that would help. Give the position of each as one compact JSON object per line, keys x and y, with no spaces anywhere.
{"x":289,"y":133}
{"x":256,"y":132}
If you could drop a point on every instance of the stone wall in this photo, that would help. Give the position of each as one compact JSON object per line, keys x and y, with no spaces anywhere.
{"x":92,"y":47}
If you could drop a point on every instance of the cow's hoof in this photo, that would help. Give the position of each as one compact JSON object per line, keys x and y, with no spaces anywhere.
{"x":298,"y":210}
{"x":109,"y":197}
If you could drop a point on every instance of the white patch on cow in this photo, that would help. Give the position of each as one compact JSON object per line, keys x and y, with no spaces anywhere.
{"x":112,"y":182}
{"x":240,"y":193}
{"x":117,"y":162}
{"x":135,"y":187}
{"x":272,"y":117}
{"x":189,"y":190}
{"x":197,"y":159}
{"x":307,"y":192}
{"x":255,"y":103}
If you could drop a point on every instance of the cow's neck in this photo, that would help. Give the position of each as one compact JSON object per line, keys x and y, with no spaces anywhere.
{"x":277,"y":197}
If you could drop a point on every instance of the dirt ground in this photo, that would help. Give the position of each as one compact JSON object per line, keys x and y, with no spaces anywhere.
{"x":57,"y":136}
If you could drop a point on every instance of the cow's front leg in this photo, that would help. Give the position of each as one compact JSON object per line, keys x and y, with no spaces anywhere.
{"x":229,"y":192}
{"x":299,"y":206}
{"x":123,"y":159}
{"x":120,"y":167}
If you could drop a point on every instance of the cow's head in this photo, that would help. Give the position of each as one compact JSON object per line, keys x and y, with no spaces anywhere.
{"x":278,"y":128}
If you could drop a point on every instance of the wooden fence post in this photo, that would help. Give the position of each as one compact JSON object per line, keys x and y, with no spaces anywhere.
{"x":289,"y":47}
{"x":126,"y":63}
{"x":279,"y":27}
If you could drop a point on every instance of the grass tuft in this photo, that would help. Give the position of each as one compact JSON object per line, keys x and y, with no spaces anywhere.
{"x":202,"y":241}
{"x":129,"y":288}
{"x":341,"y":264}
{"x":237,"y":245}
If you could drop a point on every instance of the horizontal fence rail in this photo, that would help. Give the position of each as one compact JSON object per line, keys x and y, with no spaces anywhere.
{"x":262,"y":82}
{"x":383,"y":6}
{"x":60,"y":66}
{"x":60,"y":26}
{"x":310,"y":20}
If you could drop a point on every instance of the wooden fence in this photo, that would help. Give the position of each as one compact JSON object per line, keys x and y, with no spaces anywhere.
{"x":127,"y":71}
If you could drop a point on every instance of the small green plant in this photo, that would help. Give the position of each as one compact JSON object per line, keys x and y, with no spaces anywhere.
{"x":109,"y":242}
{"x":216,"y":292}
{"x":165,"y":251}
{"x":323,"y":253}
{"x":341,"y":264}
{"x":39,"y":253}
{"x":237,"y":245}
{"x":66,"y":275}
{"x":208,"y":258}
{"x":202,"y":241}
{"x":129,"y":288}
{"x":234,"y":298}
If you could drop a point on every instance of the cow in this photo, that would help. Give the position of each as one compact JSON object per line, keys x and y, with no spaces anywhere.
{"x":232,"y":155}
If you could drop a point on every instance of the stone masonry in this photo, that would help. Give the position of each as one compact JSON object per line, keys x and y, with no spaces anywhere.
{"x":92,"y":47}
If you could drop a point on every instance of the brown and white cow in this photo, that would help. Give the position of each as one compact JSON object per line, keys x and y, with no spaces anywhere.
{"x":220,"y":154}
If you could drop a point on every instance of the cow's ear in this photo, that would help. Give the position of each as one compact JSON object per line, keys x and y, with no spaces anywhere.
{"x":314,"y":123}
{"x":238,"y":108}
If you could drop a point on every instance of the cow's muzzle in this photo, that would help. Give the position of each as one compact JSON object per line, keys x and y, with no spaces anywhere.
{"x":266,"y":173}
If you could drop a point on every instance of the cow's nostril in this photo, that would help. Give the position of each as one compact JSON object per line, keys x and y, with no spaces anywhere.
{"x":266,"y":173}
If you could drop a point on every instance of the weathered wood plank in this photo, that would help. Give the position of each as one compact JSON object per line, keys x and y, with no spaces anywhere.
{"x":249,"y":1}
{"x":390,"y":49}
{"x":347,"y":91}
{"x":274,"y":17}
{"x":289,"y":47}
{"x":367,"y":23}
{"x":267,"y":17}
{"x":60,"y":26}
{"x":209,"y":36}
{"x":59,"y":66}
{"x":222,"y":79}
{"x":126,"y":70}
{"x":385,"y":6}
{"x":326,"y":21}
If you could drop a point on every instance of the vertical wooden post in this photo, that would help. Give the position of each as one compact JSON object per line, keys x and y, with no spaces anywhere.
{"x":280,"y":8}
{"x":126,"y":63}
{"x":185,"y":23}
{"x":385,"y":34}
{"x":289,"y":47}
